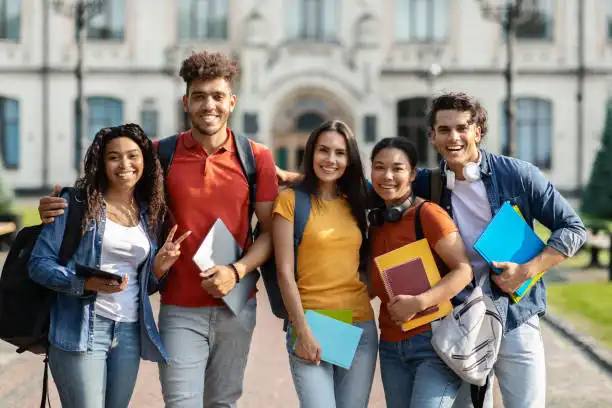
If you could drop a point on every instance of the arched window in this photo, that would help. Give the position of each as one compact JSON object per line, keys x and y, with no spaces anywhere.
{"x":9,"y":132}
{"x":412,"y":124}
{"x":534,"y":132}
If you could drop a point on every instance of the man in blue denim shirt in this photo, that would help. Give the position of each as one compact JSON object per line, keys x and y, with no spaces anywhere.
{"x":475,"y":183}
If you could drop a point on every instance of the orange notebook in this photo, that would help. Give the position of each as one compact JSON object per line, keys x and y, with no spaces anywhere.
{"x":412,"y":270}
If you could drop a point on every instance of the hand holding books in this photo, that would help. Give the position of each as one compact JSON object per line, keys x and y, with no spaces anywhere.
{"x":513,"y":275}
{"x":219,"y":280}
{"x":307,"y":347}
{"x":404,"y":307}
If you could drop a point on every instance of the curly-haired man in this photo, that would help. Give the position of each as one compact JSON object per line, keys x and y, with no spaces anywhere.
{"x":207,"y":345}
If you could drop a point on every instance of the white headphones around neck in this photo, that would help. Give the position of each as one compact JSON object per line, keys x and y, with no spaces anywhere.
{"x":471,"y":172}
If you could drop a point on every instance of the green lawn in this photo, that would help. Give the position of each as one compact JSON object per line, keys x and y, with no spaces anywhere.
{"x":586,"y":305}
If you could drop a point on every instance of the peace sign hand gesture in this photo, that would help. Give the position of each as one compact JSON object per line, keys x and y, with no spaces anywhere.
{"x":169,"y":253}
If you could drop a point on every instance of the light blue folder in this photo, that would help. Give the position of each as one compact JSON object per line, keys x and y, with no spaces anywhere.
{"x":338,"y":340}
{"x":508,"y":238}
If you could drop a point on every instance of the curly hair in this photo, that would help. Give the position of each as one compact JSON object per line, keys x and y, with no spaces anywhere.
{"x":150,"y":187}
{"x":461,"y":102}
{"x":207,"y":66}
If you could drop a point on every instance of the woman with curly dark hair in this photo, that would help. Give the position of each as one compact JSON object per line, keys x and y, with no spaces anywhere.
{"x":102,"y":322}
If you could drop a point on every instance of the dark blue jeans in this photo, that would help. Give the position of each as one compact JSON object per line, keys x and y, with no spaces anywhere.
{"x":414,"y":376}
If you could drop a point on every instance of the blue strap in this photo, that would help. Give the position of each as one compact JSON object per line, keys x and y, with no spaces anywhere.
{"x":165,"y":152}
{"x":301,"y":213}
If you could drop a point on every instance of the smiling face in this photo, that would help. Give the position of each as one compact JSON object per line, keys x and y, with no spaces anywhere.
{"x":123,"y":162}
{"x":392,"y":175}
{"x":456,"y":138}
{"x":330,"y":157}
{"x":209,"y":105}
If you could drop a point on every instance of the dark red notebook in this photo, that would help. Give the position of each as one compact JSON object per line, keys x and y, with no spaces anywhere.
{"x":408,"y":278}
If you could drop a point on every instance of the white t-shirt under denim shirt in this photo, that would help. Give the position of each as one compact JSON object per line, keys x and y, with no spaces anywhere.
{"x":472,"y":213}
{"x":124,"y":249}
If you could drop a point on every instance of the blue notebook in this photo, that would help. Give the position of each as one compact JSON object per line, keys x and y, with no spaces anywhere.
{"x":338,"y":340}
{"x":508,"y":238}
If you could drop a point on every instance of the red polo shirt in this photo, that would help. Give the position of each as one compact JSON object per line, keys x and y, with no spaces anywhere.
{"x":203,"y":188}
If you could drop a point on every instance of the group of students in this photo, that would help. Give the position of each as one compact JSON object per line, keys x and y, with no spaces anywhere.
{"x":100,"y":329}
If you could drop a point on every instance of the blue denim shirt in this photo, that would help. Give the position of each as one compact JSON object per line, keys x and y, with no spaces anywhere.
{"x":524,"y":185}
{"x":72,"y":315}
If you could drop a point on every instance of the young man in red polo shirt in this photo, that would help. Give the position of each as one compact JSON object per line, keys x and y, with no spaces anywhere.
{"x":206,"y":343}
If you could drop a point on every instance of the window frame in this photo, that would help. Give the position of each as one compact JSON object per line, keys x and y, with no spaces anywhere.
{"x":10,"y":163}
{"x":191,"y":11}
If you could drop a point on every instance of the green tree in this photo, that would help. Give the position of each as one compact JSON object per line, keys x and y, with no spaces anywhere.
{"x":597,"y":197}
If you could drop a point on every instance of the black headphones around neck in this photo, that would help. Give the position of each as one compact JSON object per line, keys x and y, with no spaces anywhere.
{"x":378,"y":216}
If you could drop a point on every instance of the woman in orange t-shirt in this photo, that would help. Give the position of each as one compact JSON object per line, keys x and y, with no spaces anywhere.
{"x":412,"y":373}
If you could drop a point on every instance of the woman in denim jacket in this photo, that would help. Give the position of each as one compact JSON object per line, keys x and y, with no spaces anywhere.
{"x":100,"y":328}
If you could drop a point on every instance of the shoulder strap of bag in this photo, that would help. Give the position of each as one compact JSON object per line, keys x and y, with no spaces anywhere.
{"x":418,"y":227}
{"x":72,"y":234}
{"x":301,"y":213}
{"x":246,"y":158}
{"x":165,"y":152}
{"x":435,"y":185}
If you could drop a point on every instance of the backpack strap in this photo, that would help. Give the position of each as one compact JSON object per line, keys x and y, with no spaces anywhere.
{"x":301,"y":213}
{"x":435,"y":185}
{"x":246,"y":158}
{"x":72,"y":234}
{"x":418,"y":227}
{"x":165,"y":152}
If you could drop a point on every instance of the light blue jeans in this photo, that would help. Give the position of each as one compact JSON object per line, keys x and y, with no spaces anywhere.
{"x":208,"y":349}
{"x":520,"y":370}
{"x":103,"y":377}
{"x":413,"y":375}
{"x":329,"y":386}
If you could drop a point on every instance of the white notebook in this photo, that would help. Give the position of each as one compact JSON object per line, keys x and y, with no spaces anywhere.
{"x":220,"y":248}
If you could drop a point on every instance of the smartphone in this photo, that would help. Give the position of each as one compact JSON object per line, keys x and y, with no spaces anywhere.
{"x":88,"y":272}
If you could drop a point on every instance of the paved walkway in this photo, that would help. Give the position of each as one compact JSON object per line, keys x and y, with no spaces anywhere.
{"x":574,"y":381}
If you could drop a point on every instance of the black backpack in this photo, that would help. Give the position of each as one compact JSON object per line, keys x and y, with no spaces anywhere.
{"x":25,"y":306}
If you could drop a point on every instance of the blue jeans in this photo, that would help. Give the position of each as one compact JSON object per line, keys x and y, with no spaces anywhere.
{"x":520,"y":370}
{"x":329,"y":386}
{"x":104,"y":375}
{"x":414,"y":376}
{"x":207,"y":351}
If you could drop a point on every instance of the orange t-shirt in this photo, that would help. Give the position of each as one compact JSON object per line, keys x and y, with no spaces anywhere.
{"x":436,"y":224}
{"x":203,"y":188}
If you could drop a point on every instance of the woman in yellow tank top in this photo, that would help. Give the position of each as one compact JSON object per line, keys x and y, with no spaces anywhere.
{"x":331,"y":254}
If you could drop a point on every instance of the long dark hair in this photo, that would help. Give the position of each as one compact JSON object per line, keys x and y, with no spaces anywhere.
{"x":352,"y":185}
{"x":150,"y":187}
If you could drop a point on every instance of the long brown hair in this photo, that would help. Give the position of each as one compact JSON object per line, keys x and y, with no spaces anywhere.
{"x":351,"y":185}
{"x":150,"y":187}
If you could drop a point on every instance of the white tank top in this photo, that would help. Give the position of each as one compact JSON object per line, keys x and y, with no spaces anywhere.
{"x":124,"y":249}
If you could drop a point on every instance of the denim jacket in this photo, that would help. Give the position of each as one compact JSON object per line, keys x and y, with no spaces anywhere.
{"x":524,"y":185}
{"x":72,"y":315}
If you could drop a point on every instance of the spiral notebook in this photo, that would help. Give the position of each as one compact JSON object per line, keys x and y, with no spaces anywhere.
{"x":412,"y":270}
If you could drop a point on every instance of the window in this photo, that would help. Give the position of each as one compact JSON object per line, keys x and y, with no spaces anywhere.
{"x":203,"y":19}
{"x":148,"y":120}
{"x":533,"y":131}
{"x":412,"y":124}
{"x":9,"y":132}
{"x":109,"y":23}
{"x":539,"y":24}
{"x":102,"y":112}
{"x":421,"y":20}
{"x":250,"y":123}
{"x":315,"y":20}
{"x":369,"y":128}
{"x":307,"y":122}
{"x":10,"y":19}
{"x":282,"y":158}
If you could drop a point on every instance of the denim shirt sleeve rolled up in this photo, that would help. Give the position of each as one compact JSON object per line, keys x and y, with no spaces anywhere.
{"x":548,"y":206}
{"x":44,"y":267}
